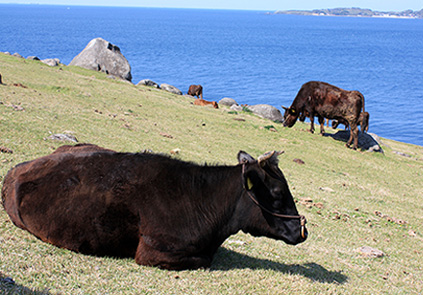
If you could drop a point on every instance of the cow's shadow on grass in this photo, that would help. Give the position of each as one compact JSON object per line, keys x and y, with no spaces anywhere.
{"x":366,"y":141}
{"x":9,"y":286}
{"x":227,"y":259}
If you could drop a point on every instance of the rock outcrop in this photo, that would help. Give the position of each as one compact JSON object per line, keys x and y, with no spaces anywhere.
{"x":52,"y":62}
{"x":148,"y":82}
{"x":170,"y":88}
{"x":101,"y":55}
{"x":226,"y":101}
{"x":17,"y":55}
{"x":236,"y":108}
{"x":266,"y":111}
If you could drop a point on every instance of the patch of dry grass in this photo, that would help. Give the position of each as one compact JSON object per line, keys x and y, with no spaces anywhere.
{"x":338,"y":189}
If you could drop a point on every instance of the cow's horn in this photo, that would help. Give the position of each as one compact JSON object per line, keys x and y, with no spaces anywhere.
{"x":285,"y":108}
{"x":279,"y":153}
{"x":265,"y":157}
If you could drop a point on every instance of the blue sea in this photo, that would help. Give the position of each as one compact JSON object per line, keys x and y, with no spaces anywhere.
{"x":251,"y":56}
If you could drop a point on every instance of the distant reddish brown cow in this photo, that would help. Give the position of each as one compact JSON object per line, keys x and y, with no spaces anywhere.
{"x":196,"y":90}
{"x":202,"y":102}
{"x":326,"y":101}
{"x":80,"y":148}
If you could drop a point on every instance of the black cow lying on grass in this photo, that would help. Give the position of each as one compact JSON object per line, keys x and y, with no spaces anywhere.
{"x":161,"y":211}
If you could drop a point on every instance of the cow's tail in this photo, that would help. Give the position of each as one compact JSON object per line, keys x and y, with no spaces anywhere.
{"x":362,"y":100}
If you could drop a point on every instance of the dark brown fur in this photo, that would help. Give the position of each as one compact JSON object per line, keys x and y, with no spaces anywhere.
{"x":196,"y":90}
{"x":79,"y":148}
{"x":363,"y":121}
{"x":161,"y":211}
{"x":326,"y":101}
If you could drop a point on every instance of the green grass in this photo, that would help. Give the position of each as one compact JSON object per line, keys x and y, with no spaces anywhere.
{"x":120,"y":116}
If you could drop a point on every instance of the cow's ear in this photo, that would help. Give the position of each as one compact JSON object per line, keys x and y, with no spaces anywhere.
{"x":243,"y":158}
{"x":252,"y":178}
{"x":248,"y":183}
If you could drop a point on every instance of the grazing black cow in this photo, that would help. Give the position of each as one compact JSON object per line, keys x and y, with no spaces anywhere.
{"x":196,"y":90}
{"x":326,"y":101}
{"x":161,"y":211}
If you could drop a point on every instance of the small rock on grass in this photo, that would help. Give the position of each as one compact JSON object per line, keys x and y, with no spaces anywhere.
{"x":326,"y":189}
{"x":63,"y":137}
{"x":370,"y":252}
{"x":299,"y":161}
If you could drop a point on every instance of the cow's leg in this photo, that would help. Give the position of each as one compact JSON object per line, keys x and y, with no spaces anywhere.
{"x":311,"y":123}
{"x":147,"y":255}
{"x":322,"y":125}
{"x":353,"y":135}
{"x":335,"y":124}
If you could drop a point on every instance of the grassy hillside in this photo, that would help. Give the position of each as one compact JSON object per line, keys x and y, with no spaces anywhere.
{"x":350,"y":198}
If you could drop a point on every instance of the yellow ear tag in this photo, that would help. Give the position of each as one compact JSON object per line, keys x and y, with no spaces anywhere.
{"x":249,"y":184}
{"x":293,"y":111}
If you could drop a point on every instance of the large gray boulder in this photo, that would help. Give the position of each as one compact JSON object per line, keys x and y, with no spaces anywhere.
{"x":17,"y":55}
{"x":266,"y":111}
{"x":32,"y":57}
{"x":52,"y":62}
{"x":226,"y":101}
{"x":101,"y":55}
{"x":148,"y":82}
{"x":170,"y":88}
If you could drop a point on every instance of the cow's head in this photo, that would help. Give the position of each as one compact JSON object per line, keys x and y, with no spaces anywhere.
{"x":364,"y":117}
{"x":290,"y":116}
{"x":274,"y":213}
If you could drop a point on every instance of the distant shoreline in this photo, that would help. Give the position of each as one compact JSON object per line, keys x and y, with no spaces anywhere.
{"x":356,"y":12}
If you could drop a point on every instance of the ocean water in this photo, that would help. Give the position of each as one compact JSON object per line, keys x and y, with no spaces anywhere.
{"x":250,"y":56}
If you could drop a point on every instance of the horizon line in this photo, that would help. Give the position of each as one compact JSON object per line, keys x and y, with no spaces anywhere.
{"x":197,"y":8}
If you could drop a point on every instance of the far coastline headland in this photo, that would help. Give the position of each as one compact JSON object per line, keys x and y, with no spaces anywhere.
{"x":355,"y":12}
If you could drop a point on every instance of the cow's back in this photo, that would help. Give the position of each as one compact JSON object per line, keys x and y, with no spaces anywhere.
{"x":67,"y":199}
{"x":195,"y":90}
{"x":20,"y":180}
{"x":81,"y":148}
{"x":333,"y":102}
